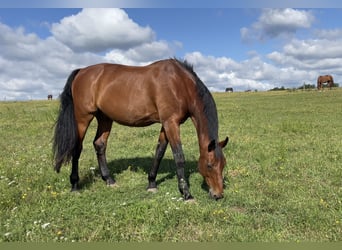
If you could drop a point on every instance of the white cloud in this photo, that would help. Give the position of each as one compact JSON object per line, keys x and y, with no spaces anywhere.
{"x":98,"y":30}
{"x":143,"y":54}
{"x":314,"y":49}
{"x":253,"y":73}
{"x":32,"y":67}
{"x":223,"y":72}
{"x":15,"y":43}
{"x":329,"y":34}
{"x":274,"y":23}
{"x":320,"y":55}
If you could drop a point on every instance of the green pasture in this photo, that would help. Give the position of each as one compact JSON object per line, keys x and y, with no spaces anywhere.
{"x":283,"y":177}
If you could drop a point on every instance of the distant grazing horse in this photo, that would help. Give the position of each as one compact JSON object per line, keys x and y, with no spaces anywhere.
{"x":325,"y":79}
{"x":49,"y":97}
{"x":167,"y":92}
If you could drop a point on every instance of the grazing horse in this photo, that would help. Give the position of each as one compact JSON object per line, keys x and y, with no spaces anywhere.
{"x":49,"y":97}
{"x":325,"y":79}
{"x":167,"y":91}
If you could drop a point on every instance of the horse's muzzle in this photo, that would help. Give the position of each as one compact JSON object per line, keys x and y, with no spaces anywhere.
{"x":215,"y":196}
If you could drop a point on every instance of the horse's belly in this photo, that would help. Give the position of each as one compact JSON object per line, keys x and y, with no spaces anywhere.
{"x":132,"y":116}
{"x":136,"y":121}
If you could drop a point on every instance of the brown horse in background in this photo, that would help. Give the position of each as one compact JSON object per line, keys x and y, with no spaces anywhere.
{"x":325,"y":79}
{"x":167,"y":92}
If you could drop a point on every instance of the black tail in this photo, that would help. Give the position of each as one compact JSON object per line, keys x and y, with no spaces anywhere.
{"x":65,"y":137}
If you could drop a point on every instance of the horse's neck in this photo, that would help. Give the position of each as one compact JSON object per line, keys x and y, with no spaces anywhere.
{"x":205,"y":131}
{"x":202,"y":134}
{"x":203,"y":113}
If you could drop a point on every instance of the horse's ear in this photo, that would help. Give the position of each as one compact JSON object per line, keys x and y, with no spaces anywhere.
{"x":212,"y":146}
{"x":224,"y":143}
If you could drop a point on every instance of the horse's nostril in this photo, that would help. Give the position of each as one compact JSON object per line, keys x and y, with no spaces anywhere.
{"x":217,"y":196}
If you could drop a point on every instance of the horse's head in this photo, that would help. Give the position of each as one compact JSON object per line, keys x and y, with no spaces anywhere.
{"x":211,"y":166}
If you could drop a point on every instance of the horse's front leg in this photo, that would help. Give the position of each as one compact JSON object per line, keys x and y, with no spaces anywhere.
{"x":159,"y":154}
{"x":180,"y":165}
{"x":173,"y":135}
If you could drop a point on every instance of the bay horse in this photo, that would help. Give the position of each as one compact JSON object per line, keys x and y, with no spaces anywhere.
{"x":325,"y":79}
{"x":166,"y":92}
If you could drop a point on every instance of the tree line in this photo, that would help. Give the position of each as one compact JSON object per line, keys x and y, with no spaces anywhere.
{"x":302,"y":87}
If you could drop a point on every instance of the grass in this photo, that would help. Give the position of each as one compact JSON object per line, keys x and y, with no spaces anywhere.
{"x":283,"y":177}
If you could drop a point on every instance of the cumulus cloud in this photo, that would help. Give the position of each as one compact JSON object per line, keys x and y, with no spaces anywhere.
{"x":32,"y":67}
{"x":274,"y":23}
{"x":255,"y":73}
{"x":320,"y":55}
{"x":98,"y":30}
{"x":329,"y":34}
{"x":143,"y":54}
{"x":220,"y":73}
{"x":314,"y":49}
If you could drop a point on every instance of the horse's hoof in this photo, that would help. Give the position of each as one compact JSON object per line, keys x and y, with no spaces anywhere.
{"x":113,"y":185}
{"x":75,"y":191}
{"x":74,"y":188}
{"x":187,"y":197}
{"x":110,"y":182}
{"x":190,"y":201}
{"x":152,"y":190}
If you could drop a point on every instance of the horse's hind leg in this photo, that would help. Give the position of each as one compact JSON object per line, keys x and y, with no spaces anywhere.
{"x":82,"y":126}
{"x":100,"y":145}
{"x":74,"y":177}
{"x":159,"y":154}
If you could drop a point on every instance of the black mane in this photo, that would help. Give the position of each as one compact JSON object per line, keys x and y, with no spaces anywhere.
{"x":209,"y":110}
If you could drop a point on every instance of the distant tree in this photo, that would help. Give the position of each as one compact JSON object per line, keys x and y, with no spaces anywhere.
{"x":307,"y":86}
{"x":278,"y":89}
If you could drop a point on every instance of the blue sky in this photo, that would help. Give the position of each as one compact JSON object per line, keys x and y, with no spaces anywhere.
{"x":243,"y":48}
{"x":214,"y":32}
